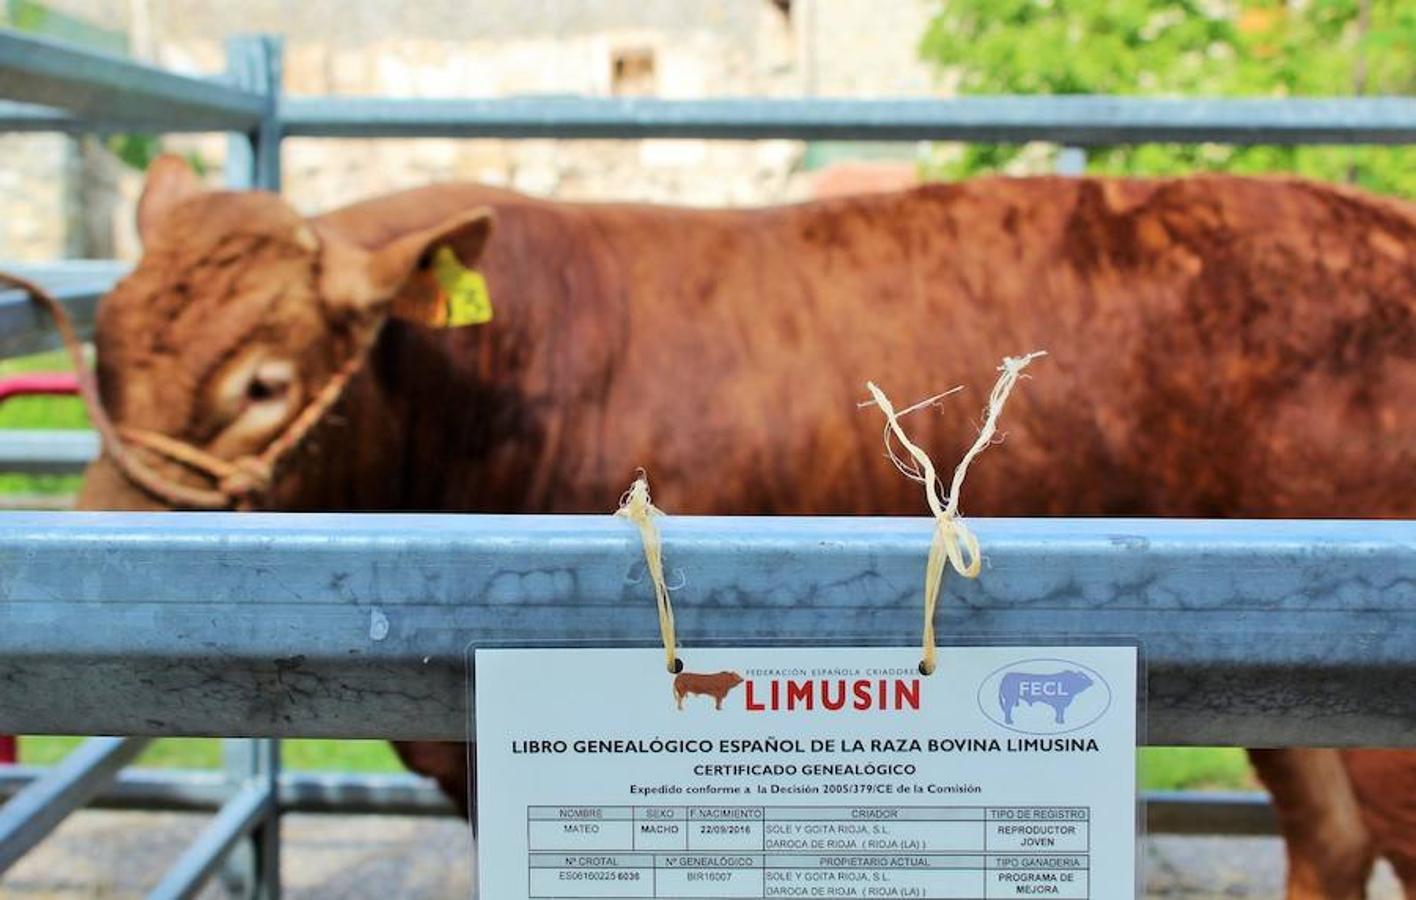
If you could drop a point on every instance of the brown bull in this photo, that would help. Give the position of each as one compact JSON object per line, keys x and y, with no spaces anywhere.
{"x":718,"y":686}
{"x":1219,"y":347}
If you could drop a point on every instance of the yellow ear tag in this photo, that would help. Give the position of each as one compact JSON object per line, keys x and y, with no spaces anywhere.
{"x":463,"y":292}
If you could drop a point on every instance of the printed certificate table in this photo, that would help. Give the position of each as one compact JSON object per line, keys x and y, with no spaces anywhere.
{"x":808,"y":851}
{"x":825,"y":773}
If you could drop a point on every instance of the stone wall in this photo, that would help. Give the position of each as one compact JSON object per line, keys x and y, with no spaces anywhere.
{"x":34,"y":212}
{"x":449,"y":48}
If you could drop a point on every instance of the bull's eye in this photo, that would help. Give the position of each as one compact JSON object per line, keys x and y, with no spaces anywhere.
{"x":270,"y":382}
{"x":259,"y":390}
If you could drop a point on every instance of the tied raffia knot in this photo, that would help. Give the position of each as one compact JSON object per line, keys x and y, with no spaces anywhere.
{"x":636,"y":506}
{"x":960,"y":545}
{"x":248,"y":479}
{"x":954,"y":543}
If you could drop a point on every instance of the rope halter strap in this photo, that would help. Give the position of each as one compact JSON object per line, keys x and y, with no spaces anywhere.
{"x":241,"y":483}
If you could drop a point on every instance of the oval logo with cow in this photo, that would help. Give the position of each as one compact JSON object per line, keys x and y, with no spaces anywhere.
{"x":1044,"y":696}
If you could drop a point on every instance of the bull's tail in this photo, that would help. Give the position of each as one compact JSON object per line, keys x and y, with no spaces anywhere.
{"x":1004,"y":705}
{"x":678,"y":694}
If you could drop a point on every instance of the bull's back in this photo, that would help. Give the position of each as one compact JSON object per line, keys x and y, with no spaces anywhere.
{"x":1218,"y":347}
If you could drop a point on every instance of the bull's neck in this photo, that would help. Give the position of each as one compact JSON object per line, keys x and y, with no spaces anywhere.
{"x":439,"y":422}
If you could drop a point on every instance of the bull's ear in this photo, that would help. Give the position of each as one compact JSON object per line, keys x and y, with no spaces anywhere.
{"x":429,"y":277}
{"x":408,"y":278}
{"x":169,"y":181}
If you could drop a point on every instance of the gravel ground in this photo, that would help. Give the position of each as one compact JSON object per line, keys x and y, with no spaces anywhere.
{"x":115,"y":855}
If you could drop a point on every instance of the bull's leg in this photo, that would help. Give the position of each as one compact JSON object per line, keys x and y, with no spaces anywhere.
{"x":445,"y":762}
{"x":1057,"y":715}
{"x":1385,"y":784}
{"x":1330,"y":850}
{"x":718,"y":701}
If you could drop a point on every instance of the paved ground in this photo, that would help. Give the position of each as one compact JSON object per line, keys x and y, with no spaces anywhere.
{"x":114,"y":855}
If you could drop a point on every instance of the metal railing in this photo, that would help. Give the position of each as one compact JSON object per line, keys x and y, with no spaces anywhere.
{"x":1257,"y":633}
{"x":1274,"y":633}
{"x":88,"y":88}
{"x":41,"y":451}
{"x":77,"y":284}
{"x":91,"y":91}
{"x":1073,"y":120}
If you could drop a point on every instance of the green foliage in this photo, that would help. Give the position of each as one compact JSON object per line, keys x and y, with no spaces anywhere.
{"x":39,"y":18}
{"x":1185,"y":48}
{"x":137,"y":151}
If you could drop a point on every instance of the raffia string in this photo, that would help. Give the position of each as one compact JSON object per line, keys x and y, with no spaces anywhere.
{"x":954,"y":542}
{"x":637,"y":508}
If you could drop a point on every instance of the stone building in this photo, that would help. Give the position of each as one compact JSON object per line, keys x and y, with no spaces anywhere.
{"x":66,"y":197}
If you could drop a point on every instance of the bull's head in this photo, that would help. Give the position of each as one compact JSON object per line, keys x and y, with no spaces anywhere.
{"x":239,"y":312}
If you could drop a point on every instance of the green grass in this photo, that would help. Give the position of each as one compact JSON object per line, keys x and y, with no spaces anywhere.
{"x":1195,"y":769}
{"x":205,"y":753}
{"x":1161,"y":768}
{"x":40,"y":412}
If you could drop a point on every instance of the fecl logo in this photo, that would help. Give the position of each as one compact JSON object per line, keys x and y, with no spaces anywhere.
{"x":1044,"y":696}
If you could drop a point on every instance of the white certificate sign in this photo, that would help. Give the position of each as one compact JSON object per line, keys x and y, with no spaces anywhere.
{"x":833,"y":772}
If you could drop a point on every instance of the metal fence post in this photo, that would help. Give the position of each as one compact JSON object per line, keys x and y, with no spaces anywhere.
{"x":1071,"y":161}
{"x":40,"y":808}
{"x":256,"y":62}
{"x":252,"y":871}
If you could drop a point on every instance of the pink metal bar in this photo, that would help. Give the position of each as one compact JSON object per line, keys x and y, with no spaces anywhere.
{"x":36,"y":383}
